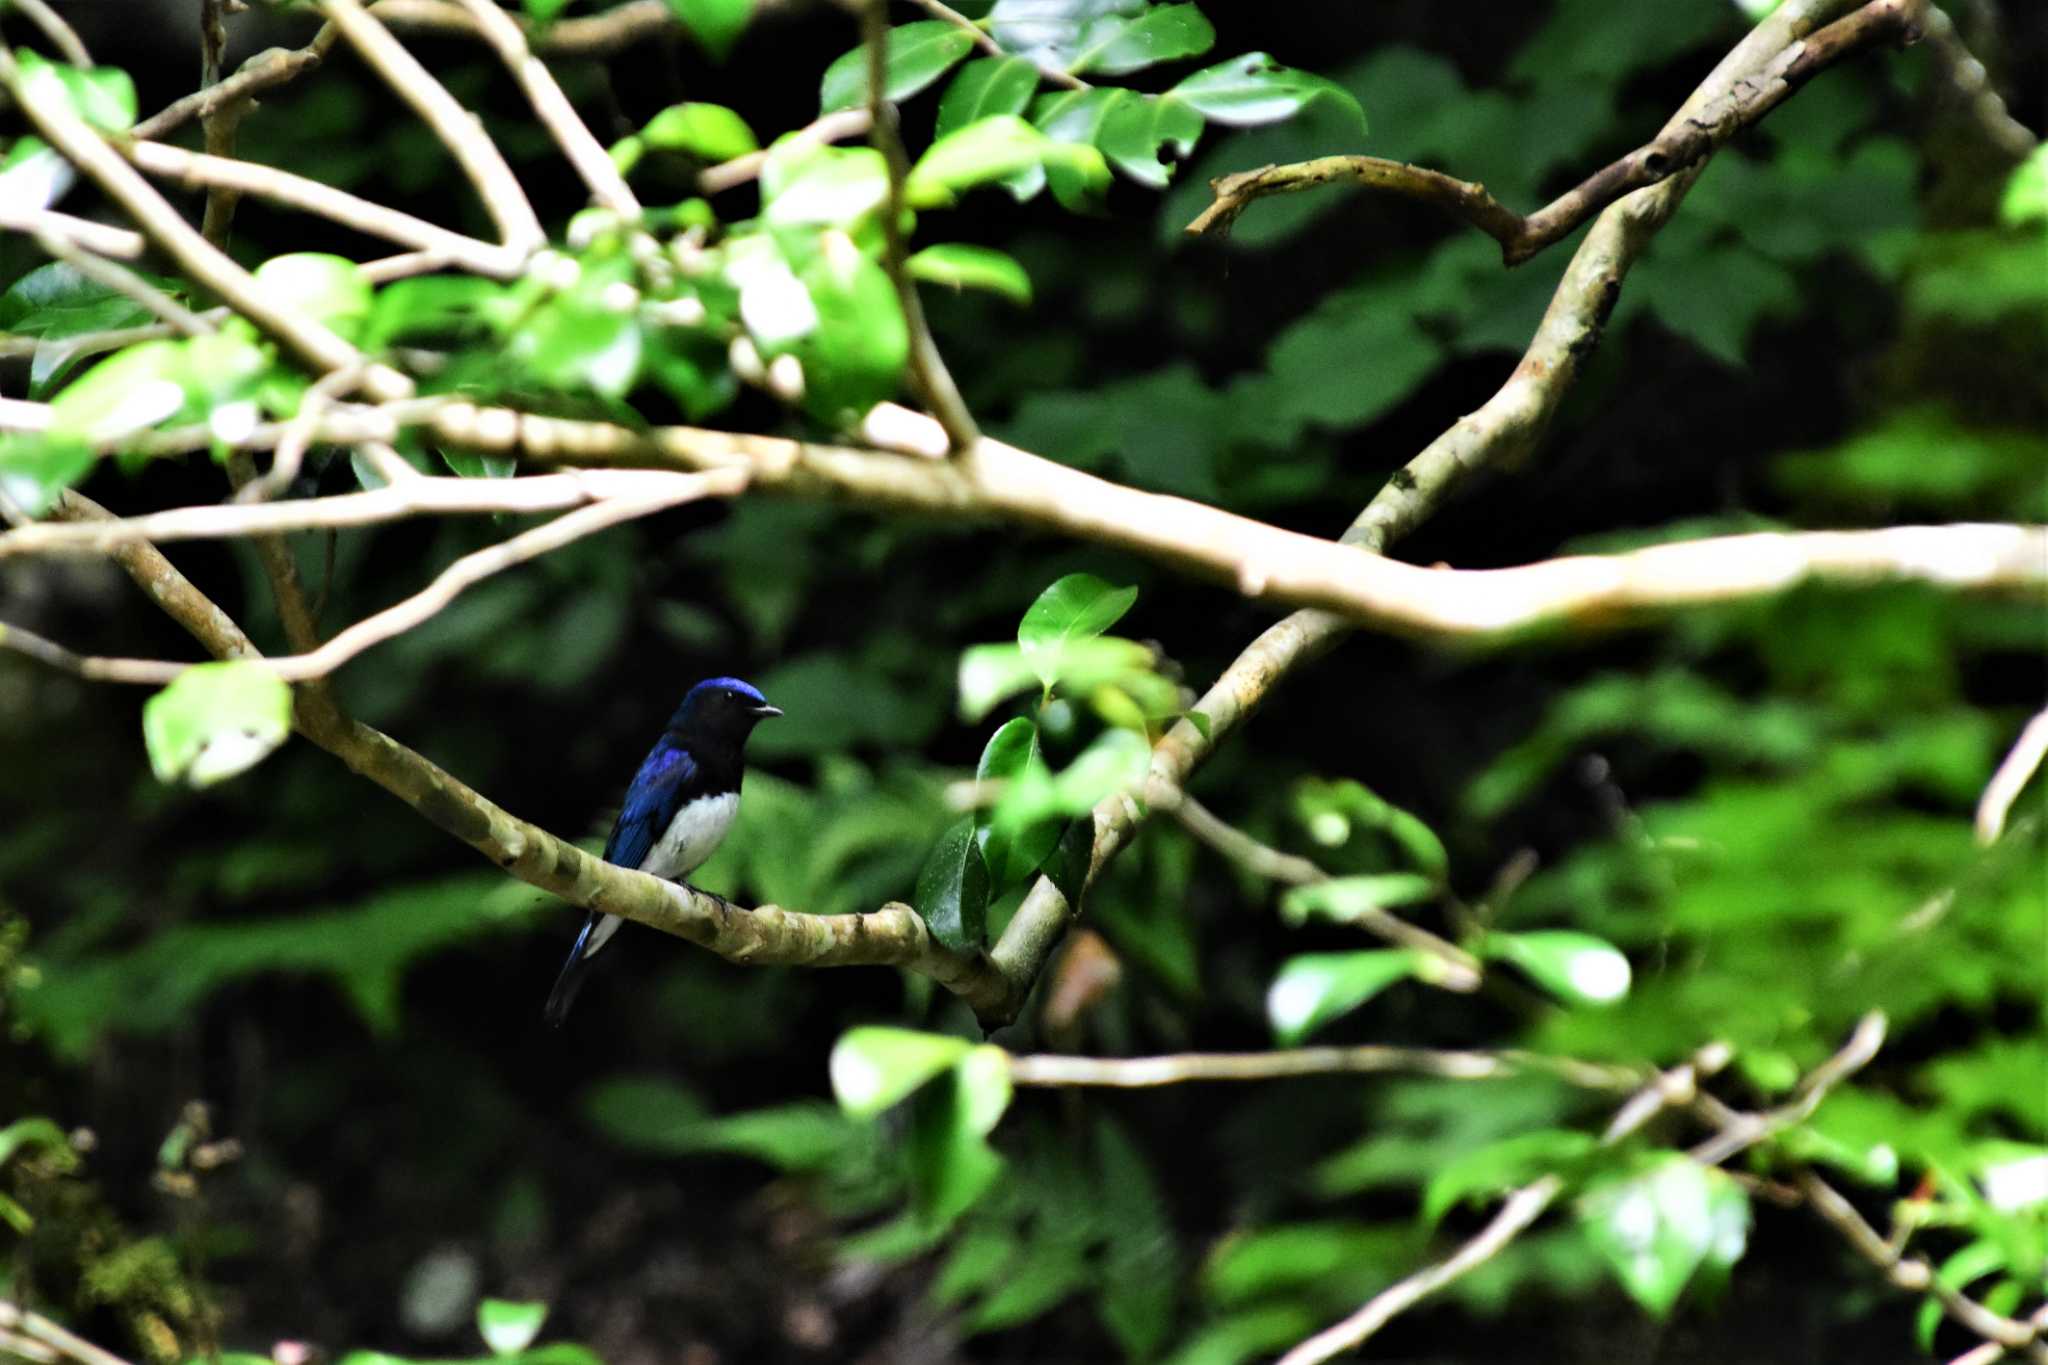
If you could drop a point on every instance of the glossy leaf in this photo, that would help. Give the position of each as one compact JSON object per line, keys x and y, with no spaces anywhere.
{"x":827,"y":186}
{"x":991,"y":673}
{"x":717,"y":24}
{"x":1253,"y":89}
{"x":993,"y":149}
{"x":710,"y":131}
{"x":1135,"y":131}
{"x":1163,"y":33}
{"x":1056,"y":32}
{"x":953,"y":888}
{"x":1313,"y":989}
{"x":971,"y":267}
{"x":875,"y":1068}
{"x":1661,"y":1224}
{"x":1012,"y":853}
{"x":216,"y":720}
{"x":989,"y":86}
{"x":508,"y":1327}
{"x":1077,"y":607}
{"x":1348,"y":899}
{"x":1575,"y":967}
{"x":917,"y":54}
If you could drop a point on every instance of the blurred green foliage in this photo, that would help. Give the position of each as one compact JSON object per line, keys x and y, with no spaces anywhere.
{"x":1750,"y":824}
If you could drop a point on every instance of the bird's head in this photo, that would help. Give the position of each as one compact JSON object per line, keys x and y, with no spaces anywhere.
{"x":723,"y":707}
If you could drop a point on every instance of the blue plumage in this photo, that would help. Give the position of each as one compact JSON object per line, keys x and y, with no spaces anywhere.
{"x":677,"y":808}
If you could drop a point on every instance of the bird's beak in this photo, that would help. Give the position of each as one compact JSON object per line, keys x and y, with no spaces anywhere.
{"x":764,"y":710}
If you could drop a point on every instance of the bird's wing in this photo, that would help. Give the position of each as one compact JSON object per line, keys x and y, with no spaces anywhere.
{"x":659,"y":789}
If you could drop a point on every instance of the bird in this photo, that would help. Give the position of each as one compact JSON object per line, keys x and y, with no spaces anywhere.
{"x":677,"y":809}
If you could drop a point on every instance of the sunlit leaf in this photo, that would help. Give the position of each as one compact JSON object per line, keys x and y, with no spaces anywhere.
{"x":216,"y":720}
{"x":1313,"y":989}
{"x":992,"y":85}
{"x":1575,"y":967}
{"x":508,"y":1327}
{"x":972,"y":267}
{"x":1661,"y":1224}
{"x":710,"y":131}
{"x":1347,"y":899}
{"x":874,"y":1068}
{"x":1255,"y":89}
{"x":103,"y":96}
{"x":1503,"y":1165}
{"x":329,"y":289}
{"x":916,"y":55}
{"x":1163,"y":33}
{"x":1077,"y":607}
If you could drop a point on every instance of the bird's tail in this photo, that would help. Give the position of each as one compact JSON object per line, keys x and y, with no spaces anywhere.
{"x":574,"y":971}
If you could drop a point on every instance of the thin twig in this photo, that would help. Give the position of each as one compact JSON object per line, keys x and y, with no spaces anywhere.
{"x":198,"y":258}
{"x":1681,"y":145}
{"x":98,"y":238}
{"x":833,"y":127}
{"x":2011,"y":779}
{"x":556,"y":114}
{"x":1457,"y":970}
{"x":15,"y":347}
{"x":220,"y":121}
{"x":927,"y":368}
{"x":987,"y":43}
{"x":415,"y":610}
{"x":67,"y":1344}
{"x":518,"y":227}
{"x":266,"y":70}
{"x":1739,"y":1131}
{"x":1133,"y":1073}
{"x":61,"y":35}
{"x":201,"y":170}
{"x":1521,"y":1208}
{"x":418,"y":495}
{"x":125,"y":282}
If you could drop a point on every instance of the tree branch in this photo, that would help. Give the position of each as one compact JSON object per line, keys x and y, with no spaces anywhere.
{"x":1134,"y":1073}
{"x":1684,"y":143}
{"x":2011,"y":779}
{"x":927,"y":367}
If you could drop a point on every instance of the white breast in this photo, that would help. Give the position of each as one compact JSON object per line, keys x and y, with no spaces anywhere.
{"x":692,"y":836}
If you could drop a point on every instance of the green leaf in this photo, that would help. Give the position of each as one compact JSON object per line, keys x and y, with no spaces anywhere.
{"x":829,"y":186}
{"x":716,"y":23}
{"x":987,"y":150}
{"x":1313,"y":989}
{"x":972,"y":267}
{"x":989,"y":673}
{"x":1665,"y":1221}
{"x":508,"y":1327}
{"x":1163,"y":33}
{"x":329,"y":289}
{"x":1503,"y":1165}
{"x":103,"y":96}
{"x":1077,"y":607}
{"x":1253,"y":89}
{"x":2026,"y":193}
{"x":36,"y":468}
{"x":1135,"y":131}
{"x":710,"y":131}
{"x":648,"y":1113}
{"x":1118,"y":760}
{"x":854,"y":357}
{"x":951,"y":1163}
{"x":1347,"y":899}
{"x":1012,"y":854}
{"x":953,"y":888}
{"x":992,"y":85}
{"x":1958,"y":1272}
{"x":916,"y":55}
{"x":1055,"y":33}
{"x":873,"y":1068}
{"x":55,"y":302}
{"x":215,"y":721}
{"x":1575,"y":967}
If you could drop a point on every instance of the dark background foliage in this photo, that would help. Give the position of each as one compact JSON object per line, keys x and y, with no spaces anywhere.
{"x":357,"y":1000}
